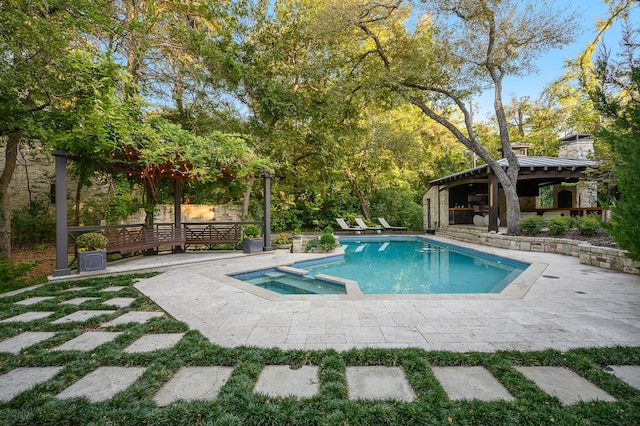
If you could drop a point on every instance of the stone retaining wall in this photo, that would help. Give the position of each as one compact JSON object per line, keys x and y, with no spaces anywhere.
{"x":602,"y":257}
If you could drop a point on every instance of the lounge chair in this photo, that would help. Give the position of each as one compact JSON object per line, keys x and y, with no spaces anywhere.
{"x":347,"y":228}
{"x":388,"y":227}
{"x":366,"y":227}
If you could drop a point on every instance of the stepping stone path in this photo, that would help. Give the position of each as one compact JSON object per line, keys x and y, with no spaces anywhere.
{"x":120,"y":302}
{"x":34,"y":300}
{"x":379,"y":383}
{"x":81,"y":316}
{"x":152,"y":342}
{"x":113,"y":288}
{"x":88,"y":341}
{"x":193,"y":383}
{"x":627,"y":373}
{"x":135,"y":316}
{"x":283,"y":380}
{"x":78,"y":300}
{"x":28,"y":316}
{"x":76,"y":288}
{"x":29,"y":338}
{"x":103,"y":383}
{"x":367,"y":382}
{"x":471,"y":383}
{"x":564,"y":384}
{"x":20,"y":379}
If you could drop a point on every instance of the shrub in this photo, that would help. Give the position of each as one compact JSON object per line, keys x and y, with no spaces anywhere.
{"x":532,"y":225}
{"x":252,"y":231}
{"x":13,"y":276}
{"x":327,"y":242}
{"x":588,"y":225}
{"x":92,"y":241}
{"x":558,"y":225}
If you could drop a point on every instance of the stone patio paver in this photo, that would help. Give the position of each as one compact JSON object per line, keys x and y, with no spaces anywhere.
{"x":76,"y":288}
{"x":88,"y":341}
{"x":81,"y":316}
{"x":193,"y":383}
{"x":34,"y":300}
{"x":78,"y":300}
{"x":27,"y":317}
{"x":628,"y":373}
{"x":153,"y":342}
{"x":283,"y":381}
{"x":120,"y":302}
{"x":113,"y":288}
{"x":20,"y":379}
{"x":564,"y":384}
{"x":377,"y":382}
{"x":29,"y":338}
{"x":467,"y":383}
{"x":103,"y":383}
{"x":139,"y":317}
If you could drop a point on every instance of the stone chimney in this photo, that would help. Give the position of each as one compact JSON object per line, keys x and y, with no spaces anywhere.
{"x":576,"y":147}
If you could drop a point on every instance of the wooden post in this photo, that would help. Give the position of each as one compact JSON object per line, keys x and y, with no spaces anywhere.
{"x":177,"y":211}
{"x":266,"y":229}
{"x":493,"y":202}
{"x":62,"y":236}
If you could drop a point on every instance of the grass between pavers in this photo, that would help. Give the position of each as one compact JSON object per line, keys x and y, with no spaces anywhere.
{"x":238,"y":405}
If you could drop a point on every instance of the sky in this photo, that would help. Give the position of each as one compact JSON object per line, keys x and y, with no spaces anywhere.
{"x":551,"y":65}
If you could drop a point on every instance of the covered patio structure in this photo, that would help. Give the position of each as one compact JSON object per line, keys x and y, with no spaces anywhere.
{"x":475,"y":197}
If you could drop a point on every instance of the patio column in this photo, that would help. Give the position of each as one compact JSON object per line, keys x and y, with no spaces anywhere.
{"x":62,"y":236}
{"x":493,"y":202}
{"x":266,"y":230}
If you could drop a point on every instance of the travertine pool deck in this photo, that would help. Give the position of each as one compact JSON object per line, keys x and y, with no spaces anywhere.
{"x":566,"y":305}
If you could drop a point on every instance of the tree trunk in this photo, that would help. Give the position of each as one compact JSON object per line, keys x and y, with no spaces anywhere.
{"x":11,"y":158}
{"x":77,"y":206}
{"x":247,"y":197}
{"x":356,"y":190}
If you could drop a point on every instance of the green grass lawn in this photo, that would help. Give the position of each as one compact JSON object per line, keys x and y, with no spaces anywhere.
{"x":238,"y":405}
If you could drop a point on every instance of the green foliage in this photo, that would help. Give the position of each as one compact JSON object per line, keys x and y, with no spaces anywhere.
{"x":122,"y":203}
{"x":252,"y":231}
{"x":588,"y":225}
{"x":558,"y":225}
{"x":327,"y":242}
{"x":33,"y":224}
{"x":616,"y":97}
{"x":13,"y":276}
{"x":532,"y":225}
{"x":92,"y":241}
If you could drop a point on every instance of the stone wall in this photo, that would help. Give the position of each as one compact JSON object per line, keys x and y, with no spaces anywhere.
{"x":32,"y":178}
{"x":602,"y":257}
{"x":164,"y":213}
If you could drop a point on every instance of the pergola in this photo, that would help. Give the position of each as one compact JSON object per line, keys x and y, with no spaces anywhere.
{"x":176,"y":174}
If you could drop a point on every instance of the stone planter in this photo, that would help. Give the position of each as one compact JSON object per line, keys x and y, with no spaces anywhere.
{"x":252,"y":245}
{"x":92,"y":261}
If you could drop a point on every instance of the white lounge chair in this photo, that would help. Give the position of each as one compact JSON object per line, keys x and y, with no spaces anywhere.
{"x":366,"y":227}
{"x":347,"y":228}
{"x":388,"y":227}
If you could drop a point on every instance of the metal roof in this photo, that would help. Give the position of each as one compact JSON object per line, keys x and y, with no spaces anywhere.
{"x":532,"y":163}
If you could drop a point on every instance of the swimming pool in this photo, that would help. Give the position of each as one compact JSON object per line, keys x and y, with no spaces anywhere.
{"x":402,"y":265}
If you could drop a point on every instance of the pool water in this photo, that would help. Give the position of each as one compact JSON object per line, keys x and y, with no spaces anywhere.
{"x":419,"y":266}
{"x":285,"y":283}
{"x":408,"y":265}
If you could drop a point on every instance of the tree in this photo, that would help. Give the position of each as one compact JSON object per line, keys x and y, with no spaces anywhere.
{"x":468,"y":46}
{"x":40,"y":44}
{"x":617,"y":97}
